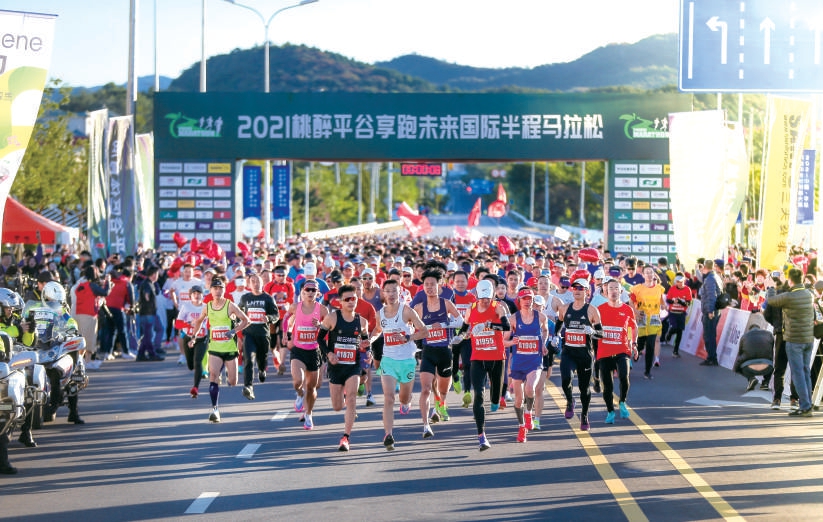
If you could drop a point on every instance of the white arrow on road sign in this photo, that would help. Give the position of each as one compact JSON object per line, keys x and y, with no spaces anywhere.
{"x":768,"y":26}
{"x":714,"y":24}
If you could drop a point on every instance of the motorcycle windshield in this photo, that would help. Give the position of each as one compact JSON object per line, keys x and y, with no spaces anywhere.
{"x":44,"y":319}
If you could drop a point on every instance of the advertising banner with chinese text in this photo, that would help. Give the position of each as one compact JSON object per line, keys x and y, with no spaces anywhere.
{"x":144,"y":178}
{"x":24,"y":64}
{"x":786,"y":131}
{"x":336,"y":126}
{"x":805,"y":188}
{"x":122,"y":191}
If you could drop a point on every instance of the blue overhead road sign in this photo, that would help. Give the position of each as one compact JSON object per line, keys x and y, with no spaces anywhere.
{"x":751,"y":45}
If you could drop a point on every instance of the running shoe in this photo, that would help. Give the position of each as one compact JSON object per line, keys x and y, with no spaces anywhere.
{"x":435,"y":417}
{"x":776,"y":404}
{"x":648,"y":376}
{"x":405,"y":409}
{"x":214,"y":416}
{"x":298,"y":404}
{"x":128,"y":356}
{"x":676,"y":354}
{"x":193,"y":392}
{"x":494,"y":407}
{"x":361,"y":390}
{"x":536,"y":422}
{"x":281,"y":370}
{"x":442,"y":411}
{"x":610,"y":418}
{"x":527,"y":417}
{"x":752,"y":384}
{"x":457,"y":382}
{"x":794,"y":405}
{"x":388,"y":442}
{"x":764,"y":385}
{"x":181,"y":360}
{"x":624,"y":411}
{"x":508,"y":396}
{"x":503,"y":403}
{"x":597,"y":388}
{"x":584,"y":423}
{"x":521,"y":434}
{"x":484,"y":442}
{"x":569,"y":409}
{"x":369,"y":400}
{"x":261,"y":376}
{"x":467,"y":399}
{"x":248,"y":392}
{"x":302,"y":418}
{"x":427,"y":432}
{"x":308,"y":425}
{"x":344,"y":444}
{"x":657,"y":362}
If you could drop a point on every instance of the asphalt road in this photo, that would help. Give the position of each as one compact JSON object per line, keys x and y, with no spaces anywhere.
{"x":148,"y":452}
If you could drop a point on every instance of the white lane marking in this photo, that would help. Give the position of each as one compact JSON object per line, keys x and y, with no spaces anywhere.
{"x":202,"y":503}
{"x":248,"y":451}
{"x":280,"y":415}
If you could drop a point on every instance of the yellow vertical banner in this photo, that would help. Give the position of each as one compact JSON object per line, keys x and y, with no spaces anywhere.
{"x":787,"y":125}
{"x":25,"y":53}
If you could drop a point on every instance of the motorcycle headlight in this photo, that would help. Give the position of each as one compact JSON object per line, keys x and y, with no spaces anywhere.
{"x":17,"y":388}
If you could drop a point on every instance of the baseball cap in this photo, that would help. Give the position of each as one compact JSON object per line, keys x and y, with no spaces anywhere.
{"x":582,"y":282}
{"x":348,"y":264}
{"x":539,"y":301}
{"x":451,"y":266}
{"x":196,"y":288}
{"x":310,"y":269}
{"x":217,"y":282}
{"x":564,"y":281}
{"x":614,"y":271}
{"x":525,"y":292}
{"x":408,"y":270}
{"x":310,"y":283}
{"x":529,"y":260}
{"x":336,"y":277}
{"x":367,"y":271}
{"x":599,"y":274}
{"x":399,"y":260}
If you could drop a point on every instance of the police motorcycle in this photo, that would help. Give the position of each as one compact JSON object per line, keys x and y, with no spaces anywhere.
{"x":12,"y":410}
{"x":24,"y":358}
{"x":58,"y":346}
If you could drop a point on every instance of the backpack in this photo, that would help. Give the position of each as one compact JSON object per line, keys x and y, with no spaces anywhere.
{"x":723,"y":298}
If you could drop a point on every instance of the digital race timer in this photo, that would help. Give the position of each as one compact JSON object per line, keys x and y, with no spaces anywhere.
{"x":421,"y":169}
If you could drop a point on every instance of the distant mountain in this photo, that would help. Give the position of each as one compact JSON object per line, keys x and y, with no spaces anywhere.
{"x":648,"y":64}
{"x":296,"y":68}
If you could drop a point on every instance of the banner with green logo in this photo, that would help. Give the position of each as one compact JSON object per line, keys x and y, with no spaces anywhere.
{"x":469,"y":127}
{"x":26,"y":42}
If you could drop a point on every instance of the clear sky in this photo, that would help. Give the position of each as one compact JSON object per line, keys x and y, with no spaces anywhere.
{"x":91,"y":36}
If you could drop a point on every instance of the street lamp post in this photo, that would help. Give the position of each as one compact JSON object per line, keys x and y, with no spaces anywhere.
{"x":266,"y":87}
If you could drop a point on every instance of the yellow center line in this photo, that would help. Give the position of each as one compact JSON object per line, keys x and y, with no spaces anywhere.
{"x":618,"y":489}
{"x":706,"y":491}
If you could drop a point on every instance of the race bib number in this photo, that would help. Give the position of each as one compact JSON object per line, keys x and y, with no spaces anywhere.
{"x":484,"y":342}
{"x":184,"y":296}
{"x":306,"y":334}
{"x":462,"y":308}
{"x":436,"y":334}
{"x":677,"y":308}
{"x":575,"y":338}
{"x":345,"y":353}
{"x":655,"y":320}
{"x":395,"y":338}
{"x":256,"y":315}
{"x":528,"y":345}
{"x":641,"y":318}
{"x":220,"y":334}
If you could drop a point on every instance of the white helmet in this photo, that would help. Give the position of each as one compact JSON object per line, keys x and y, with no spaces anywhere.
{"x":485,"y":289}
{"x":53,"y":292}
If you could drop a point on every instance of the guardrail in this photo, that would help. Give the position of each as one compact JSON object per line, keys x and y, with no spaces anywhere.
{"x":563,"y":233}
{"x":359,"y":230}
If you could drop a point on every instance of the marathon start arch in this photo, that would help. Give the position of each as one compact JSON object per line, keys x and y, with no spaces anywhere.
{"x":200,"y":136}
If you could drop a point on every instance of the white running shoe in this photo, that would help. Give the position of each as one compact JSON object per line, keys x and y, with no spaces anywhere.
{"x":94,"y":364}
{"x":128,"y":356}
{"x":181,"y":360}
{"x":214,"y":416}
{"x":298,"y":404}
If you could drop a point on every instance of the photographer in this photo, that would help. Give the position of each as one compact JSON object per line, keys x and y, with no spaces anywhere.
{"x":87,"y":297}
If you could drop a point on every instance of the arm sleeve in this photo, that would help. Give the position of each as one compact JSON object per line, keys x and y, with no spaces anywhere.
{"x":456,"y":322}
{"x":322,"y":342}
{"x":503,"y":325}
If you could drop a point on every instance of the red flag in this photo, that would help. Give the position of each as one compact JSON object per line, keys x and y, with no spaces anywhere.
{"x":497,"y":209}
{"x":474,"y":215}
{"x":416,"y":224}
{"x":501,"y":194}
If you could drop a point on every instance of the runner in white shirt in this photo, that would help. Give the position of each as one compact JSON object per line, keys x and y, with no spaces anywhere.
{"x":179,"y":291}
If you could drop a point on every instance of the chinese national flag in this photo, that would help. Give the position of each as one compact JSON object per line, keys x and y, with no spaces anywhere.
{"x":474,"y":215}
{"x":501,"y":194}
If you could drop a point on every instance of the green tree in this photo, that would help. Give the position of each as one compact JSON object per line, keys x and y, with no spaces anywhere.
{"x":55,"y":166}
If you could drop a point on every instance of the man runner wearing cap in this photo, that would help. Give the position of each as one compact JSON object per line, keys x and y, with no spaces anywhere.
{"x":618,"y":343}
{"x":679,"y":297}
{"x":528,"y":335}
{"x":580,"y":327}
{"x":344,"y":339}
{"x":396,"y":362}
{"x":304,"y":318}
{"x":222,"y":346}
{"x":488,"y":319}
{"x":282,"y":291}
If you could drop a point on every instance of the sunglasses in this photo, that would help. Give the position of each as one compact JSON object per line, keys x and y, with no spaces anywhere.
{"x":406,"y":276}
{"x":276,"y":274}
{"x":309,"y":290}
{"x":368,"y":279}
{"x":349,"y":299}
{"x":578,"y":287}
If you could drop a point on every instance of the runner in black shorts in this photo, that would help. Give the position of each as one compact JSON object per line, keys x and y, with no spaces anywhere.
{"x":347,"y":343}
